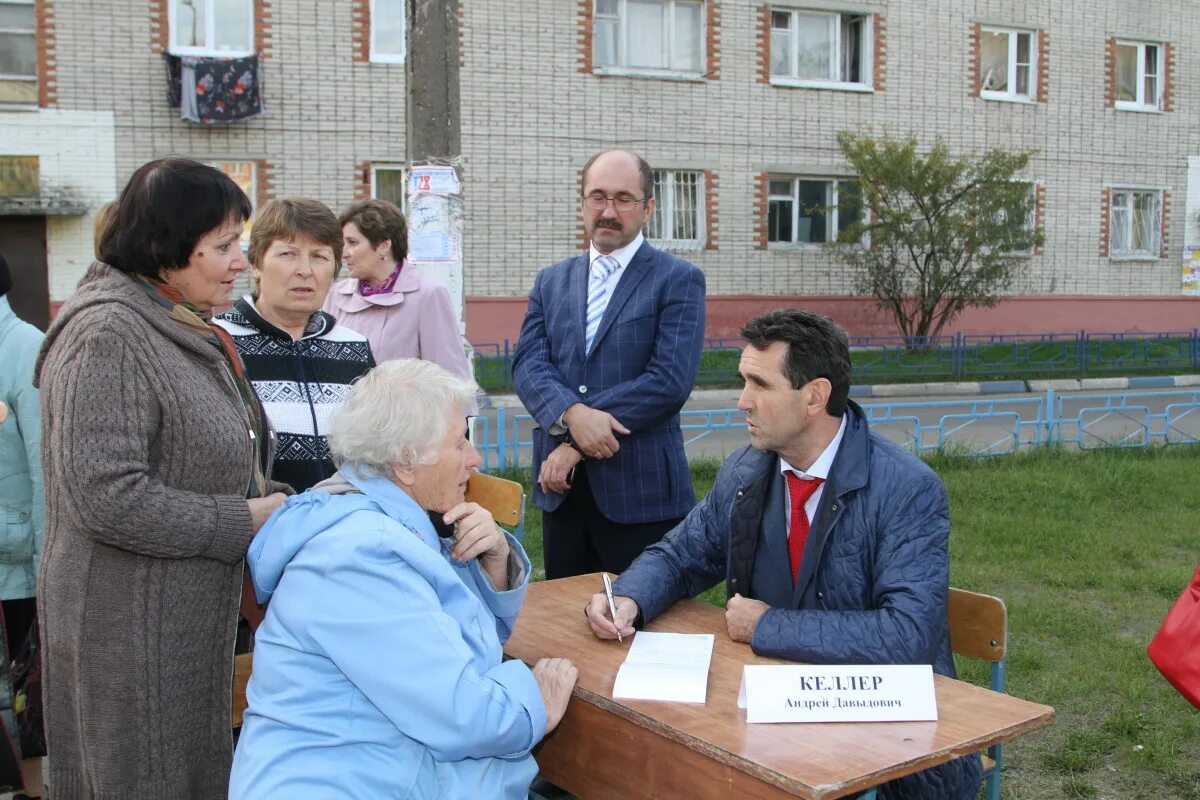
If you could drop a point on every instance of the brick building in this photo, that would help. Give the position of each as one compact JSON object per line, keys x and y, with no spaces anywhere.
{"x":735,"y":103}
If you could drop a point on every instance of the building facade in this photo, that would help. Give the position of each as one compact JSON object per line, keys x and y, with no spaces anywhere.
{"x":735,"y":103}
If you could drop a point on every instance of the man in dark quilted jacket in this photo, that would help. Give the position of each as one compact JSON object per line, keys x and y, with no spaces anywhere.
{"x":816,"y":522}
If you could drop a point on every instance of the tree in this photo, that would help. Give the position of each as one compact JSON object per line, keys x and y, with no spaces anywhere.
{"x":943,"y":233}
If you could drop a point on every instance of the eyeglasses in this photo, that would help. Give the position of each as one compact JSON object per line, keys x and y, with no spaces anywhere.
{"x":599,"y":202}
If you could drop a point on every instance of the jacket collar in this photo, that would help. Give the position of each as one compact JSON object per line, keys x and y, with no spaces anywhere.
{"x":319,"y":323}
{"x":635,"y":273}
{"x":352,"y":300}
{"x":7,"y":315}
{"x":394,"y":501}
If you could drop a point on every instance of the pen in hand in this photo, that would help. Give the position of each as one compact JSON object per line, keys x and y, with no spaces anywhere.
{"x":612,"y":606}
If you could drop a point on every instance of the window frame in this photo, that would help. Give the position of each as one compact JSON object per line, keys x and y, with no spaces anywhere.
{"x":832,"y":219}
{"x":376,"y":57}
{"x":1160,"y":82}
{"x":867,"y":66}
{"x":209,"y":23}
{"x":32,"y":33}
{"x":1011,"y":95}
{"x":666,"y":205}
{"x":390,"y":166}
{"x":1031,"y":222}
{"x":622,"y":66}
{"x":1154,"y":254}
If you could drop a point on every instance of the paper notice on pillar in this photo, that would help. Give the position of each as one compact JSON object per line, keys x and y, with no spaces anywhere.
{"x":666,"y":666}
{"x":801,"y":693}
{"x":433,"y":180}
{"x":432,"y":246}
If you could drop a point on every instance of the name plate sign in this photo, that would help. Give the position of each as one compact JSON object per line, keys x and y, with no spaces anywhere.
{"x":869,"y":693}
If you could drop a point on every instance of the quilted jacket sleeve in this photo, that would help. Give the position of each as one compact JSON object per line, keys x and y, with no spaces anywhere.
{"x":909,"y":573}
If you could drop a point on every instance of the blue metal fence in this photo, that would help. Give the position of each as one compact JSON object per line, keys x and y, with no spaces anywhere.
{"x":975,"y":427}
{"x":957,"y":357}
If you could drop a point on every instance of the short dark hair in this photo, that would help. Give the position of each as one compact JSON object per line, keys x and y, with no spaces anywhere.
{"x":644,"y":171}
{"x":163,"y":212}
{"x":289,"y":217}
{"x":379,"y":221}
{"x":817,"y":348}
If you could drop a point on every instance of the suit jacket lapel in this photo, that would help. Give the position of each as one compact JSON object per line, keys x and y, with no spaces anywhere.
{"x":637,"y":270}
{"x":577,"y":283}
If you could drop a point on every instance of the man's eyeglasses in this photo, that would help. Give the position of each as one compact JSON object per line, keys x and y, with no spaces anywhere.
{"x":599,"y":202}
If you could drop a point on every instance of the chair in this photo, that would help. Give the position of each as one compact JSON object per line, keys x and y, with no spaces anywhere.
{"x":241,"y":676}
{"x":505,"y":500}
{"x":979,"y":629}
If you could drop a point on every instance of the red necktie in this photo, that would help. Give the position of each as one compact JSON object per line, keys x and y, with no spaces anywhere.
{"x":799,"y":490}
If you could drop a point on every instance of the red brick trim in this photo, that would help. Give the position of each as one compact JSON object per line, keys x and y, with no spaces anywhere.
{"x":975,"y":40}
{"x":1110,"y":73}
{"x":362,"y":180}
{"x":1043,"y":70}
{"x":160,"y":26}
{"x":880,"y":60}
{"x":264,"y":183}
{"x":712,"y":40}
{"x":263,"y":14}
{"x":760,"y":210}
{"x":710,"y":211}
{"x":1168,"y":93}
{"x":360,"y":31}
{"x":762,"y":53}
{"x":1039,"y":215}
{"x":47,"y":59}
{"x":1164,"y":239}
{"x":1105,"y":217}
{"x":585,"y":27}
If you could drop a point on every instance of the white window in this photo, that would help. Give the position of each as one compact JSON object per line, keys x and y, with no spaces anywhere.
{"x":664,"y":36}
{"x":1139,"y":76}
{"x":1027,"y":225}
{"x":811,"y":210}
{"x":18,"y":52}
{"x":1135,"y":225}
{"x":819,"y":48}
{"x":212,"y":27}
{"x":388,"y":26}
{"x":1007,"y":65}
{"x":387,"y":183}
{"x":678,"y":219}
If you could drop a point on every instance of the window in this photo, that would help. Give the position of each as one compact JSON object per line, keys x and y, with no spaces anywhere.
{"x":1027,"y":225}
{"x":18,"y":52}
{"x":387,"y":183}
{"x":212,"y":27}
{"x":1139,"y":76}
{"x":649,"y":35}
{"x":1007,"y":65}
{"x":811,"y":210}
{"x":1135,"y":227}
{"x":811,"y":47}
{"x":388,"y":23}
{"x":678,"y":219}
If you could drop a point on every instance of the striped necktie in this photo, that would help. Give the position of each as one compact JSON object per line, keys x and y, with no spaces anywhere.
{"x":602,"y":268}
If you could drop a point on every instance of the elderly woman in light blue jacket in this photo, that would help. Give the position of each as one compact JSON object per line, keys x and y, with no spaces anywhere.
{"x":22,"y":504}
{"x":378,"y":669}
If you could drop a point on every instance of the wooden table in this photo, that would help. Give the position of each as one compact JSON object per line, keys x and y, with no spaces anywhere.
{"x":606,"y":748}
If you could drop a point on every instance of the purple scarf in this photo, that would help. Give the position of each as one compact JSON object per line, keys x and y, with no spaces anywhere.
{"x":367,"y":290}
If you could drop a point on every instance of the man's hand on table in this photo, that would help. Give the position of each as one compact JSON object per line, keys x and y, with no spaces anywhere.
{"x":602,"y":625}
{"x":741,"y":617}
{"x":594,"y":431}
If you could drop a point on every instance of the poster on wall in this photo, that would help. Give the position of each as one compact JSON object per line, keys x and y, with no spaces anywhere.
{"x":242,"y":173}
{"x":1190,"y":284}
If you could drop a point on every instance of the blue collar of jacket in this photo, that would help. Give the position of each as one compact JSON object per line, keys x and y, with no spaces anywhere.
{"x":7,"y":315}
{"x":394,"y":501}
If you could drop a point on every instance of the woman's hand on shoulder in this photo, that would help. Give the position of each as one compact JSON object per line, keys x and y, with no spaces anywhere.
{"x":263,"y":507}
{"x":476,"y":535}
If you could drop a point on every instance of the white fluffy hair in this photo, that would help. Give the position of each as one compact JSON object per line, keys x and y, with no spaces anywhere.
{"x":396,"y":414}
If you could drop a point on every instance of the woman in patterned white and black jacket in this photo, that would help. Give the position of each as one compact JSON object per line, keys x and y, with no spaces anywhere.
{"x":299,"y":360}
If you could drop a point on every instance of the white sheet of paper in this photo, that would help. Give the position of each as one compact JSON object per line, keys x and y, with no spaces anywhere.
{"x":666,"y":666}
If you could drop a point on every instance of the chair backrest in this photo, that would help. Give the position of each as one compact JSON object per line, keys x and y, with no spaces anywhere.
{"x":505,"y":499}
{"x":978,"y":625}
{"x":241,"y":676}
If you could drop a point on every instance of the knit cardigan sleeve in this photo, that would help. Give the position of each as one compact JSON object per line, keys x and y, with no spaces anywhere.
{"x":106,"y":417}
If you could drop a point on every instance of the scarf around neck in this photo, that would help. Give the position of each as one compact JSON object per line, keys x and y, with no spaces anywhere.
{"x":367,"y":290}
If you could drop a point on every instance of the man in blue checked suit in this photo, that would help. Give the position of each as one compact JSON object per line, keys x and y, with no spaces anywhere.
{"x":607,"y":356}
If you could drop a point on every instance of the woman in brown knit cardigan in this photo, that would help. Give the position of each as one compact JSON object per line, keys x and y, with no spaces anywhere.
{"x":155,"y":452}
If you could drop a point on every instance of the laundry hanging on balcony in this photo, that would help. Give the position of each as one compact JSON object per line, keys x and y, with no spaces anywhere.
{"x":214,"y":91}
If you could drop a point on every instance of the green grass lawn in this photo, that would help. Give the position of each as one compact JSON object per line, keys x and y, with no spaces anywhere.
{"x":985,"y":362}
{"x":1088,"y":550}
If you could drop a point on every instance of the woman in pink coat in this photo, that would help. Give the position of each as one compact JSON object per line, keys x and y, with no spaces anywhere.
{"x":402,"y":314}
